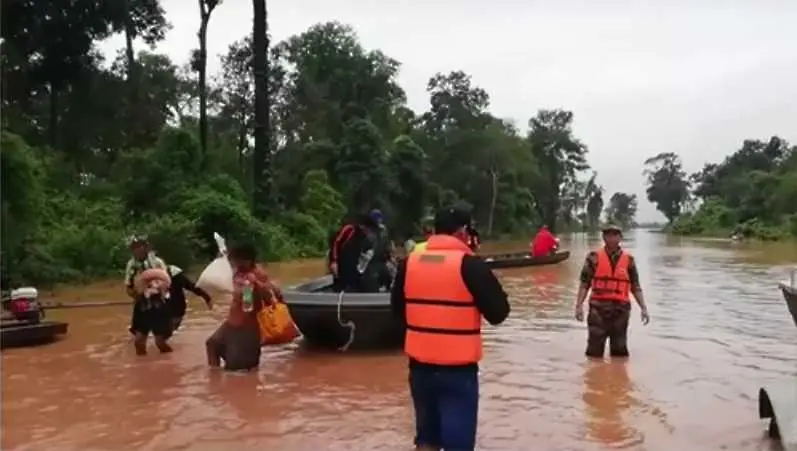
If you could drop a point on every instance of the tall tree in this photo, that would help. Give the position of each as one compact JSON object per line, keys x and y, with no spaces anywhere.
{"x":261,"y":169}
{"x":561,"y":157}
{"x":668,"y":186}
{"x":199,"y":63}
{"x":621,"y":209}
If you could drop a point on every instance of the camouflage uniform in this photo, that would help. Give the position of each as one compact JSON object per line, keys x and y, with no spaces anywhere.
{"x":608,"y":320}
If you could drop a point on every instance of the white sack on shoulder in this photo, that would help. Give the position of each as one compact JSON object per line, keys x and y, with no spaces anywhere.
{"x":218,"y":274}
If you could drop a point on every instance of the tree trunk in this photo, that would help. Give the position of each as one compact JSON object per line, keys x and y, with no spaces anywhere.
{"x":493,"y":201}
{"x":261,"y":158}
{"x":132,"y":71}
{"x":53,"y":119}
{"x":203,"y":95}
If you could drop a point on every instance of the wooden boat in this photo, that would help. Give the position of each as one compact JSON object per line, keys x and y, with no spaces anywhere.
{"x":16,"y":333}
{"x":523,"y":259}
{"x":329,"y":319}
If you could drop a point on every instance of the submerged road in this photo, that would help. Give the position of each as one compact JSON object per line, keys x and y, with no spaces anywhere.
{"x":719,"y":331}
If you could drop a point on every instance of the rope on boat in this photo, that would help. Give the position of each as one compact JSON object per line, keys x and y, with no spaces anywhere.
{"x":348,"y":323}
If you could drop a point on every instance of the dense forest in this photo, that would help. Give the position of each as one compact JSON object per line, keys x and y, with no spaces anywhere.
{"x":752,"y":192}
{"x":277,"y":148}
{"x":284,"y":142}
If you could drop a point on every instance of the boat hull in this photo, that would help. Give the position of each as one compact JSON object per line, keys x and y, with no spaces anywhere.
{"x":314,"y":309}
{"x":523,"y":259}
{"x":374,"y":327}
{"x":790,"y":295}
{"x":20,"y":334}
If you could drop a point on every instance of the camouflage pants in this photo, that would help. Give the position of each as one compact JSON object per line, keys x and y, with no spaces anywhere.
{"x":608,"y":320}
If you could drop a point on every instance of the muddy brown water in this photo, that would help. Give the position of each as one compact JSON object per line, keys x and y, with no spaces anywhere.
{"x":719,"y":331}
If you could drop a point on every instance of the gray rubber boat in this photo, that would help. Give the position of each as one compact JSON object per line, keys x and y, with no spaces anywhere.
{"x":330,"y":319}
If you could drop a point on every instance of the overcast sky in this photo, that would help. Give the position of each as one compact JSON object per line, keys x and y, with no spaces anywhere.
{"x":694,"y":77}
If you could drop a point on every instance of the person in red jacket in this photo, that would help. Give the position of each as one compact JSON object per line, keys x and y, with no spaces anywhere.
{"x":544,"y":243}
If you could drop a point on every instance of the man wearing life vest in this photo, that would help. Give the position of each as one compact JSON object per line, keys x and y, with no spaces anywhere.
{"x":610,"y":277}
{"x":442,"y":294}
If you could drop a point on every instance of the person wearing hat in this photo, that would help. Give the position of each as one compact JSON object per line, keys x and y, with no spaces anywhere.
{"x":442,"y":294}
{"x":150,"y":311}
{"x":609,"y":276}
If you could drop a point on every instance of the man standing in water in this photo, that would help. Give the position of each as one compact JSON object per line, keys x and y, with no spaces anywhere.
{"x":442,"y":294}
{"x":610,"y":276}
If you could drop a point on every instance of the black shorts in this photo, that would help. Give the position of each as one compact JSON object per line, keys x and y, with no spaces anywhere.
{"x":157,"y":321}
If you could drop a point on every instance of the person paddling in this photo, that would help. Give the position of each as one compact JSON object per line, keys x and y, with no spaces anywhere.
{"x":610,"y":277}
{"x":544,"y":243}
{"x":442,"y":294}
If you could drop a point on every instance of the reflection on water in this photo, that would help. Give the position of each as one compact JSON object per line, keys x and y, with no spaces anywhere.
{"x":719,"y":330}
{"x":607,"y":397}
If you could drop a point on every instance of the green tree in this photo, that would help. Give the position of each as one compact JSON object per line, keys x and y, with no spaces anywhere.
{"x":668,"y":185}
{"x":561,"y":157}
{"x":621,"y":209}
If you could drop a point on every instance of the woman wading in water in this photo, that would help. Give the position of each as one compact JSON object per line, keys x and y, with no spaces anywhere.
{"x":147,"y":282}
{"x":237,"y":340}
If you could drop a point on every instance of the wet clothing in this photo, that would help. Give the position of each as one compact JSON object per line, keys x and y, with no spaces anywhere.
{"x":441,"y":295}
{"x":237,"y":340}
{"x":238,"y":347}
{"x":151,"y":316}
{"x":177,"y":302}
{"x":544,"y":243}
{"x":608,"y":321}
{"x":446,"y":405}
{"x":609,"y":312}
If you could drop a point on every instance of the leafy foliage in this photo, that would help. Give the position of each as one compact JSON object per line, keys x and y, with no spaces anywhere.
{"x":276,"y":149}
{"x":753,"y":192}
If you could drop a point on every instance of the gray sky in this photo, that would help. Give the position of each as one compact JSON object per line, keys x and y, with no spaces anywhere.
{"x":642,"y":77}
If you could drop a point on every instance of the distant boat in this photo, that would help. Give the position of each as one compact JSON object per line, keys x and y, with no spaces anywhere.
{"x":523,"y":259}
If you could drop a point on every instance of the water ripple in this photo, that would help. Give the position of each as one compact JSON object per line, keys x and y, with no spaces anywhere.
{"x":719,"y":331}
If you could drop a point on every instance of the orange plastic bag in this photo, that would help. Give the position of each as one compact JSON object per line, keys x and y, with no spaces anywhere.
{"x":276,"y":325}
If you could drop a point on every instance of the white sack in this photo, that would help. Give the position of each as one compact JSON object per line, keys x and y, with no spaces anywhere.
{"x":217,"y":276}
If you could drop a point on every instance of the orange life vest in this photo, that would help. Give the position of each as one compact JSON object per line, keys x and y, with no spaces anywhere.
{"x":443,"y":322}
{"x":611,"y":285}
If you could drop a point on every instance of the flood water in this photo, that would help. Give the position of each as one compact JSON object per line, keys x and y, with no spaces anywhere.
{"x":719,"y":330}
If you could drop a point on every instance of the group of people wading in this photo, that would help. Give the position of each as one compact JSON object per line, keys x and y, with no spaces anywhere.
{"x":442,"y":291}
{"x":158,"y":291}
